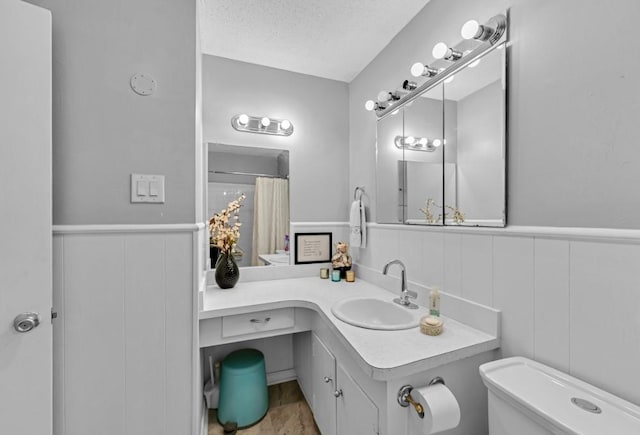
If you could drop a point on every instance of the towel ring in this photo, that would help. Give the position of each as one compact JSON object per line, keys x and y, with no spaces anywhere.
{"x":355,"y":193}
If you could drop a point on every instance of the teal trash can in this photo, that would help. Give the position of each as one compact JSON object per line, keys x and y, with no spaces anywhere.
{"x":244,"y":398}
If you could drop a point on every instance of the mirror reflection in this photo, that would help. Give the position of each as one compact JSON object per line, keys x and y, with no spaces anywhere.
{"x":423,"y":158}
{"x":476,"y":125}
{"x":262,"y":175}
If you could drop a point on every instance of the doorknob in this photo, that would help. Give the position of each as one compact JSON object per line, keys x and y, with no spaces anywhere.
{"x":25,"y":322}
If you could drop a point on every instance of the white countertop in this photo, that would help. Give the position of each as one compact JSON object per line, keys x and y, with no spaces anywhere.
{"x":382,"y":354}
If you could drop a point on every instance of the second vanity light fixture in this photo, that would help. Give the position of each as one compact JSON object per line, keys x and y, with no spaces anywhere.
{"x":262,"y":125}
{"x":447,"y":61}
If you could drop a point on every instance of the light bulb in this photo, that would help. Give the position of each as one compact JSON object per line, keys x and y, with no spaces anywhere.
{"x":285,"y":124}
{"x":384,"y":96}
{"x":470,"y":29}
{"x":265,"y":122}
{"x":449,"y":79}
{"x":369,"y":105}
{"x":243,"y":119}
{"x":436,"y":142}
{"x":409,"y":140}
{"x":423,"y":141}
{"x":417,"y":69}
{"x":440,"y":50}
{"x":474,"y":63}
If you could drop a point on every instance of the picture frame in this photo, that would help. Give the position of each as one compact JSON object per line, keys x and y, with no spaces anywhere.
{"x":313,"y":248}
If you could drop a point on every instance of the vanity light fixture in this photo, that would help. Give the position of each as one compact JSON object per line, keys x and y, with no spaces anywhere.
{"x":443,"y":51}
{"x":262,"y":124}
{"x":412,"y":143}
{"x":448,"y":61}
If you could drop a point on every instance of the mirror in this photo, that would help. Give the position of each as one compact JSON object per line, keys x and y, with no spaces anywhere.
{"x":441,"y":157}
{"x":262,"y":175}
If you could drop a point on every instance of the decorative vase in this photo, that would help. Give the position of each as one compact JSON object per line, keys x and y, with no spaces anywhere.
{"x":227,"y":272}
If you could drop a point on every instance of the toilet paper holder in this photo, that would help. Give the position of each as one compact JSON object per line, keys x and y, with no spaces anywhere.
{"x":405,"y":399}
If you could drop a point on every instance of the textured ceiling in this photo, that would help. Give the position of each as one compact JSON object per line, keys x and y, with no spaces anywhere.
{"x":335,"y":39}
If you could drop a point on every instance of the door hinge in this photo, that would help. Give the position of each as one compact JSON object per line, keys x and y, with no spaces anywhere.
{"x":54,"y":315}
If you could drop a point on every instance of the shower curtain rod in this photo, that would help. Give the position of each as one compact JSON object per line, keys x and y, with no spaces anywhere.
{"x":251,"y":174}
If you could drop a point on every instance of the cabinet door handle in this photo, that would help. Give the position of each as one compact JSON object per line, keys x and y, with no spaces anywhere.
{"x":265,"y":320}
{"x":327,"y":379}
{"x":338,"y":393}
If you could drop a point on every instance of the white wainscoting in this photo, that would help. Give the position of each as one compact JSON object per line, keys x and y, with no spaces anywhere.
{"x":570,"y":297}
{"x":125,"y":340}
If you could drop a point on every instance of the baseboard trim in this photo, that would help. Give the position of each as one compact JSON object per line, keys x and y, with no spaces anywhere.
{"x":281,"y":376}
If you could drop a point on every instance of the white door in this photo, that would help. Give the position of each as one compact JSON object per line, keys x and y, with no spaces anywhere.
{"x":25,"y":218}
{"x":324,"y":385}
{"x":356,"y":413}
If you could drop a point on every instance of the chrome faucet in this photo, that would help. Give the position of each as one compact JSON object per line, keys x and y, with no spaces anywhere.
{"x":405,"y":293}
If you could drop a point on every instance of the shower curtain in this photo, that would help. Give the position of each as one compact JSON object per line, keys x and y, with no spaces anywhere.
{"x":270,"y":216}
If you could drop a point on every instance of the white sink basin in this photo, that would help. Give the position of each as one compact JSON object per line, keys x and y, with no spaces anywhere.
{"x":372,"y":313}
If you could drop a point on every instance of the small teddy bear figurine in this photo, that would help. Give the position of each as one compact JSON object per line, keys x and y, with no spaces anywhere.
{"x":341,"y":260}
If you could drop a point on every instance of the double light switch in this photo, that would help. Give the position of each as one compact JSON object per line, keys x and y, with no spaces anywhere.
{"x":147,"y":188}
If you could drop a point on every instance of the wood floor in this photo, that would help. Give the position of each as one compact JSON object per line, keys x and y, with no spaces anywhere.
{"x":288,"y":414}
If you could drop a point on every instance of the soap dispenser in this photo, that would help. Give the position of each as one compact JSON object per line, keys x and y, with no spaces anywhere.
{"x":434,"y":302}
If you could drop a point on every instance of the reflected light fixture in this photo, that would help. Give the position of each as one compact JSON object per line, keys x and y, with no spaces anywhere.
{"x":449,"y":79}
{"x":413,"y":143}
{"x":474,"y":63}
{"x":442,"y":51}
{"x":262,"y":125}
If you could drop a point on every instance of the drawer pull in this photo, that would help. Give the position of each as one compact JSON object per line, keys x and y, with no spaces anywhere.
{"x":265,"y":320}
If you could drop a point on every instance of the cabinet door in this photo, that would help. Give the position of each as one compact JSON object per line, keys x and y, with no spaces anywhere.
{"x":324,"y":385}
{"x":356,"y":413}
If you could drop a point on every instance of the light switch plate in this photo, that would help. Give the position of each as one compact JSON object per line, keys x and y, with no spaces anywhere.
{"x":147,"y":188}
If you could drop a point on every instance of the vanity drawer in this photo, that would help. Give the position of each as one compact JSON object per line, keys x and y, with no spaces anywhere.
{"x":259,"y":321}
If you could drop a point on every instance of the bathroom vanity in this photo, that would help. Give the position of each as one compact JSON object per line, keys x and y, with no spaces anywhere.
{"x":351,"y":375}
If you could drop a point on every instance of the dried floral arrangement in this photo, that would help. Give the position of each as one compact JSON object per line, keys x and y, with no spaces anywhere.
{"x":456,"y":215}
{"x":224,"y":227}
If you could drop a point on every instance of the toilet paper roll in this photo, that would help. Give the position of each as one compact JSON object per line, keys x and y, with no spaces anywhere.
{"x":441,"y":410}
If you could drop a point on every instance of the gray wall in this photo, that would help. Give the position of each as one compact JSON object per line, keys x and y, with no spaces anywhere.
{"x":102,"y":131}
{"x":319,"y":157}
{"x":572,"y":147}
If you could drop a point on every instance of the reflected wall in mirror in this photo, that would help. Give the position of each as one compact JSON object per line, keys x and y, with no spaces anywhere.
{"x":389,"y":180}
{"x":423,"y":159}
{"x":477,"y":96}
{"x":262,"y":175}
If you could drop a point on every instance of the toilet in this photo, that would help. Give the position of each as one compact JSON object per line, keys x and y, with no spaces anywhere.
{"x":529,"y":398}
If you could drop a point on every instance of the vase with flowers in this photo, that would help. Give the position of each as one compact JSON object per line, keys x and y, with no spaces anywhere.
{"x":224,"y":229}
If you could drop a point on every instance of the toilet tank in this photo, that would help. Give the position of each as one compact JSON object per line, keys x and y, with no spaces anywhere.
{"x":529,"y":398}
